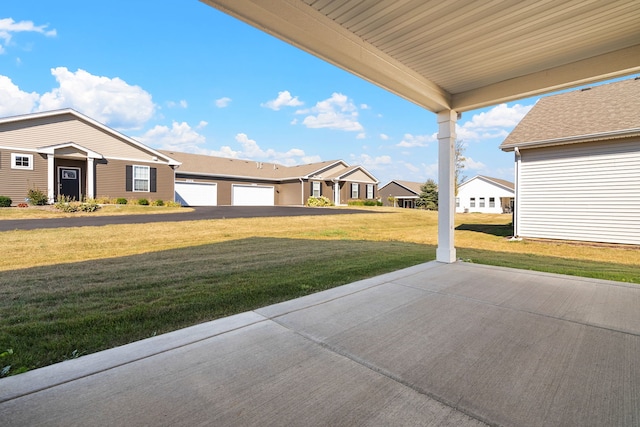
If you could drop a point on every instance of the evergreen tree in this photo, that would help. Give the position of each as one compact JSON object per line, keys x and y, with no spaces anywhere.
{"x":428,"y":196}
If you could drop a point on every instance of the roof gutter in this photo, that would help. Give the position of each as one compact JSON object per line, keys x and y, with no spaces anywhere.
{"x":573,"y":139}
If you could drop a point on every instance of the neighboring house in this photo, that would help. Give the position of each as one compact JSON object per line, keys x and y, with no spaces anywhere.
{"x":205,"y":180}
{"x":485,"y":194}
{"x":65,"y":153}
{"x":401,"y":194}
{"x":577,"y":158}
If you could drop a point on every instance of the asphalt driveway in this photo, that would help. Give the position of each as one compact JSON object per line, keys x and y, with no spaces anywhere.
{"x":198,"y":213}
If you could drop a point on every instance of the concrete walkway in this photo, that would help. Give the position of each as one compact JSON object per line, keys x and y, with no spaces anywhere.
{"x":435,"y":345}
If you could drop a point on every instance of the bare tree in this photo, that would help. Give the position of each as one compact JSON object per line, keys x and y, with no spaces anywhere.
{"x":460,"y":160}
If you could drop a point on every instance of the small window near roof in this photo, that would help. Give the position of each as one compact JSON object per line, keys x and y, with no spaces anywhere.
{"x":21,"y":161}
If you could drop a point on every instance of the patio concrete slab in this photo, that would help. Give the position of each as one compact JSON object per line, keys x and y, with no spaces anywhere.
{"x":435,"y":344}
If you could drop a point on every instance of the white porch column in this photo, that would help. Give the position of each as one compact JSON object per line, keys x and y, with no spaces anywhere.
{"x":446,"y":251}
{"x":51,"y":192}
{"x":91,"y":178}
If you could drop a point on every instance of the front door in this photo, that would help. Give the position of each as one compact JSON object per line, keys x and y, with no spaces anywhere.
{"x":69,"y":183}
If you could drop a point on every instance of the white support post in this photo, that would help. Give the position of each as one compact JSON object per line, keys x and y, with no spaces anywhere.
{"x":446,"y":251}
{"x":91,"y":178}
{"x":51,"y":177}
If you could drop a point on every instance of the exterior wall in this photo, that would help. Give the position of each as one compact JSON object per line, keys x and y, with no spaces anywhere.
{"x":47,"y":131}
{"x":345,"y":191}
{"x":225,"y":188}
{"x":478,"y":188}
{"x":585,"y":192}
{"x":290,"y":194}
{"x":397,"y":191}
{"x":111,"y":181}
{"x":15,"y":183}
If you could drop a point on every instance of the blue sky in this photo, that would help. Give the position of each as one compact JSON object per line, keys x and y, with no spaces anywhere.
{"x":184,"y":76}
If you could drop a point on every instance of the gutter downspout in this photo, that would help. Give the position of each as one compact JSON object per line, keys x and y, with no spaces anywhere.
{"x":516,"y":206}
{"x":301,"y":191}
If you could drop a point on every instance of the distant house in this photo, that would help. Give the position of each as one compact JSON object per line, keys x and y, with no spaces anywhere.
{"x":577,"y":160}
{"x":65,"y":153}
{"x":485,"y":194}
{"x":205,"y":180}
{"x":401,"y":194}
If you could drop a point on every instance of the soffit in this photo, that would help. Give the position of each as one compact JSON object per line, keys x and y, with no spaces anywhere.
{"x":459,"y":54}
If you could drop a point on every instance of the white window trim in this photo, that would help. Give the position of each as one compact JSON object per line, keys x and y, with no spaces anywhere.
{"x":315,"y":187}
{"x":355,"y":189}
{"x":369,"y":191}
{"x":13,"y":161}
{"x":481,"y":202}
{"x":148,"y":179}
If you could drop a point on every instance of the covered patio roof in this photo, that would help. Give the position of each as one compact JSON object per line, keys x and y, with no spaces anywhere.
{"x":458,"y":55}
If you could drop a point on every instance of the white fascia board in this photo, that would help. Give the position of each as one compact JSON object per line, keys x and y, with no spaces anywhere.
{"x":51,"y":149}
{"x":618,"y":134}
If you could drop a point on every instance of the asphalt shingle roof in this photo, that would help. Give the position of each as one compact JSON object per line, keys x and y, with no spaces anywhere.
{"x":600,"y":109}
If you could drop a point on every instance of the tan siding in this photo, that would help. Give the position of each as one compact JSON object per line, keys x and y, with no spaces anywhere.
{"x":585,"y":192}
{"x":358,"y":176}
{"x":15,"y":183}
{"x":290,"y":194}
{"x":111,"y":181}
{"x":47,"y":131}
{"x":393,"y":190}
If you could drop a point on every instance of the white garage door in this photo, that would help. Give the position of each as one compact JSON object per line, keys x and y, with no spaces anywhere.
{"x":196,"y":194}
{"x":253,"y":195}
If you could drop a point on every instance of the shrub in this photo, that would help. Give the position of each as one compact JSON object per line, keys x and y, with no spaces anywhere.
{"x":158,"y":203}
{"x":5,"y":202}
{"x":355,"y":202}
{"x":318,"y":201}
{"x":143,"y":202}
{"x":37,"y":197}
{"x":65,"y":204}
{"x":104,"y":200}
{"x":173,"y":204}
{"x":121,"y":201}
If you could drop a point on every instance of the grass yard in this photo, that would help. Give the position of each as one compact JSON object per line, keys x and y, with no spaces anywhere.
{"x":69,"y":292}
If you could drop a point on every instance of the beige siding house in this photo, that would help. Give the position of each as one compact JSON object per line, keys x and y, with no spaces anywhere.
{"x":577,"y":161}
{"x":203,"y":180}
{"x":402,"y":194}
{"x":65,"y":153}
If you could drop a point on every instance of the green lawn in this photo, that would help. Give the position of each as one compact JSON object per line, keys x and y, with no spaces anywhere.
{"x":70,"y":292}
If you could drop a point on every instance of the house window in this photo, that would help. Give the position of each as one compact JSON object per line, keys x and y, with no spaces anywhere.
{"x":141,"y":178}
{"x":481,"y":202}
{"x":457,"y":202}
{"x":315,"y":189}
{"x":492,"y":202}
{"x":355,"y":191}
{"x":472,"y":202}
{"x":21,"y":161}
{"x":369,"y":191}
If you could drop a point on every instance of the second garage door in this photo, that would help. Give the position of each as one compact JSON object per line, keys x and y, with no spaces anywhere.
{"x":253,"y":195}
{"x":196,"y":194}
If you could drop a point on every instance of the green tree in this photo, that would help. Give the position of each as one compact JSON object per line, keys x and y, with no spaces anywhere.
{"x":428,"y":196}
{"x":460,"y":160}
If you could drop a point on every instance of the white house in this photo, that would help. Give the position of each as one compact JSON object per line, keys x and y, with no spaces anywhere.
{"x":577,"y":162}
{"x":485,"y":194}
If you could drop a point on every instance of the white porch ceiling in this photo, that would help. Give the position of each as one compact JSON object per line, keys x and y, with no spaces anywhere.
{"x":459,"y":54}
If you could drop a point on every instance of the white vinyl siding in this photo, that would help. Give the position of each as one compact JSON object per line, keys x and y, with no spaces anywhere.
{"x":584,"y":192}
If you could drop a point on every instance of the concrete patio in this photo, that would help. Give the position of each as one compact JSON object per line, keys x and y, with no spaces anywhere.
{"x":435,"y":344}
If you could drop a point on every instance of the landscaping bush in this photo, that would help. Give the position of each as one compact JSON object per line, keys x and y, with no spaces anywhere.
{"x":37,"y":197}
{"x":172,"y":204}
{"x":121,"y":201}
{"x":5,"y":202}
{"x":319,"y":201}
{"x":158,"y":203}
{"x":143,"y":202}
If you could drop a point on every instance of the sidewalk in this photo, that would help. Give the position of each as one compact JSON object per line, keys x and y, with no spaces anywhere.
{"x":435,"y":345}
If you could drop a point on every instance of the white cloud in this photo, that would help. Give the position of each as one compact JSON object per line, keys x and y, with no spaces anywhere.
{"x":180,"y":104}
{"x":410,"y":140}
{"x":361,"y":135}
{"x":284,"y":99}
{"x":384,"y":136}
{"x":337,"y":112}
{"x":13,"y":101}
{"x":8,"y":27}
{"x":494,"y":123}
{"x":250,"y":149}
{"x":108,"y":100}
{"x":371,"y":163}
{"x":223,"y":102}
{"x":471,"y":164}
{"x":179,"y":137}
